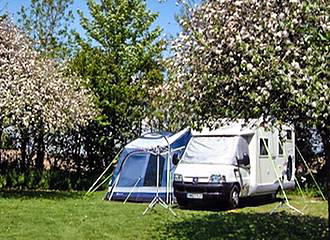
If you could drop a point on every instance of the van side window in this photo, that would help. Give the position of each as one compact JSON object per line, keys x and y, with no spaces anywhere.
{"x":263,"y":146}
{"x":280,"y":148}
{"x":288,"y":134}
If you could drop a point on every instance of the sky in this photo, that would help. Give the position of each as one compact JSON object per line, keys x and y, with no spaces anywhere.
{"x":165,"y":20}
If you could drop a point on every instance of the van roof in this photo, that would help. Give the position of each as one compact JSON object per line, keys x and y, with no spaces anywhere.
{"x":229,"y":129}
{"x":235,"y":128}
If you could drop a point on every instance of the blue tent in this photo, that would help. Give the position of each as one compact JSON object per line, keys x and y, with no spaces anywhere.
{"x":135,"y":175}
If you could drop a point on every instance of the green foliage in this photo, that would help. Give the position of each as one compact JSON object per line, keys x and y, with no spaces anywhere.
{"x":93,"y":218}
{"x":6,"y":142}
{"x":310,"y":190}
{"x":51,"y":179}
{"x":48,"y":25}
{"x":119,"y":60}
{"x":3,"y":182}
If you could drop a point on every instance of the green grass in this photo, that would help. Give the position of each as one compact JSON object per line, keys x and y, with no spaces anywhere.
{"x":62,"y":215}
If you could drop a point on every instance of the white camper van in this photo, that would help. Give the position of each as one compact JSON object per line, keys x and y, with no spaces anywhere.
{"x":234,"y":162}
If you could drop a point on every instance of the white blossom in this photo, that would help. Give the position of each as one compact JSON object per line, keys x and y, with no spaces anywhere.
{"x":34,"y":89}
{"x":260,"y":48}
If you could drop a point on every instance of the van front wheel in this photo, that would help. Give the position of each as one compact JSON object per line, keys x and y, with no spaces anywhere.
{"x":234,"y":197}
{"x":182,"y":203}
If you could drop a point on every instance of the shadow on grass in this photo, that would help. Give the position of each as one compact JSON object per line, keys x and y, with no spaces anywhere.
{"x":244,"y":226}
{"x":244,"y":202}
{"x":28,"y":194}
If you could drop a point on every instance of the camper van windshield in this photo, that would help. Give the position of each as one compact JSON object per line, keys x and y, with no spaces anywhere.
{"x":211,"y":150}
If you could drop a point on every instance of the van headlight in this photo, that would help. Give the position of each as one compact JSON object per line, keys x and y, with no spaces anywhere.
{"x":217,"y":178}
{"x":178,"y":178}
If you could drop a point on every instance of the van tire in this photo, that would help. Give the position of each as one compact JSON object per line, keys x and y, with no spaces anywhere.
{"x":234,"y":197}
{"x":182,"y":203}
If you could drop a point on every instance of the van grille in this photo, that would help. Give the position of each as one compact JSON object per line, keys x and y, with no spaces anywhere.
{"x":199,"y":188}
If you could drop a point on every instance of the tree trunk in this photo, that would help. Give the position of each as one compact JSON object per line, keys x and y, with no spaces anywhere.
{"x":0,"y":138}
{"x":40,"y":151}
{"x":23,"y":152}
{"x":40,"y":145}
{"x":0,"y":144}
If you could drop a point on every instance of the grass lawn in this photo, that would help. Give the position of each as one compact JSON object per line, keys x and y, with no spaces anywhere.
{"x":62,"y":215}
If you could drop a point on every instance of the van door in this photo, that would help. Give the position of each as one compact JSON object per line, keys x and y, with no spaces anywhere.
{"x":243,"y":172}
{"x":243,"y":175}
{"x":268,"y":166}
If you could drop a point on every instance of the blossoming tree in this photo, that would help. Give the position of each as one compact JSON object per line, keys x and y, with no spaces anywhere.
{"x":36,"y":91}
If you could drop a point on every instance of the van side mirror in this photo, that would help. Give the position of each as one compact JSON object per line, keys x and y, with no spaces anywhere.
{"x":175,"y":159}
{"x":245,"y":160}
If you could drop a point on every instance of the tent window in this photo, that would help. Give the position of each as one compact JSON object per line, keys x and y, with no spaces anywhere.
{"x":132,"y":170}
{"x":150,"y":178}
{"x":263,"y":146}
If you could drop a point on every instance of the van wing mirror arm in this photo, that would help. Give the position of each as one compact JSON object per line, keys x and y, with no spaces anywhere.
{"x":175,"y":159}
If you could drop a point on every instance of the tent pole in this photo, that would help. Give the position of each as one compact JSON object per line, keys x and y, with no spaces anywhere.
{"x":300,"y":189}
{"x":279,"y":181}
{"x":101,"y":183}
{"x":295,"y":179}
{"x":310,"y":172}
{"x":157,"y":178}
{"x":168,"y":183}
{"x":132,"y":190}
{"x":157,"y":198}
{"x":114,"y":186}
{"x":301,"y":192}
{"x":98,"y":179}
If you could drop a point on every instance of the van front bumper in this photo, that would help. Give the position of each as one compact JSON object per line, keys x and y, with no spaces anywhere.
{"x":185,"y":192}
